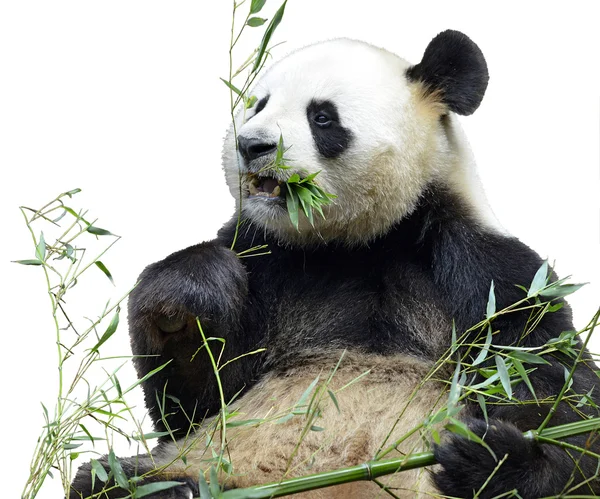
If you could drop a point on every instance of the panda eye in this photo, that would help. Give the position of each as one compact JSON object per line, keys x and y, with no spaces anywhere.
{"x":322,"y":120}
{"x":260,"y":105}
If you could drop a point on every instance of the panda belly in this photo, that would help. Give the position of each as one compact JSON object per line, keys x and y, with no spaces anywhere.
{"x":375,"y":409}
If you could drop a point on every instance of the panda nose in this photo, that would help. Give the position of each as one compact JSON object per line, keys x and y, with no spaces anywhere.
{"x":255,"y":148}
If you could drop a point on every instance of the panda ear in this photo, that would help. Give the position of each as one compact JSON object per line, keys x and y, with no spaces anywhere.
{"x":453,"y":66}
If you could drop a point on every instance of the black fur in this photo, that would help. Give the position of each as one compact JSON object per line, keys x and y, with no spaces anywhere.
{"x":82,"y":486}
{"x":455,"y":66}
{"x":438,"y":256}
{"x":331,"y":138}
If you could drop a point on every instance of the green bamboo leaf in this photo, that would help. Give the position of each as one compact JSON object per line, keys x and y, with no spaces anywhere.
{"x":244,"y":422}
{"x":303,"y":400}
{"x":40,"y":249}
{"x":455,"y":387}
{"x":110,"y":330}
{"x":152,"y":488}
{"x":483,"y":406}
{"x":97,"y":231}
{"x":486,"y":347}
{"x":103,"y":268}
{"x":99,"y":469}
{"x":306,"y":200}
{"x":117,"y":470}
{"x":71,"y":446}
{"x":311,"y":177}
{"x":151,"y":435}
{"x":149,"y":375}
{"x":71,"y":193}
{"x":86,"y":431}
{"x":267,"y":36}
{"x":231,"y":86}
{"x":504,"y":377}
{"x":316,"y":428}
{"x":530,"y":358}
{"x":215,"y":490}
{"x":203,"y":486}
{"x":523,"y":373}
{"x":294,"y":179}
{"x":255,"y":22}
{"x":491,"y":304}
{"x":454,"y":344}
{"x":539,"y":280}
{"x":28,"y":262}
{"x":117,"y":385}
{"x":561,"y":290}
{"x":250,"y":101}
{"x":334,"y":400}
{"x":256,"y":6}
{"x":291,"y":199}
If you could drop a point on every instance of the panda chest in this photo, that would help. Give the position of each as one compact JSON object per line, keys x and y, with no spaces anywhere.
{"x":354,"y":303}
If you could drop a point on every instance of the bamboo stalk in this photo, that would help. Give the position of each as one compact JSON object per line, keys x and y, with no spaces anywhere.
{"x":374,"y":469}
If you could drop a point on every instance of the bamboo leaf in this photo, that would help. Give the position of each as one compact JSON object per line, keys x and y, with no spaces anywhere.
{"x":215,"y":490}
{"x":152,"y":488}
{"x":232,"y":86}
{"x":256,"y":6}
{"x":334,"y":400}
{"x":267,"y":36}
{"x":523,"y":373}
{"x":291,"y":199}
{"x":255,"y":22}
{"x":40,"y":249}
{"x":203,"y":486}
{"x":539,"y":280}
{"x":28,"y":262}
{"x":504,"y":376}
{"x":306,"y":201}
{"x":151,"y":435}
{"x":99,"y":469}
{"x":530,"y":358}
{"x":483,"y":406}
{"x":117,"y":470}
{"x":97,"y":231}
{"x":491,"y":304}
{"x":244,"y":422}
{"x":110,"y":330}
{"x":561,"y":290}
{"x":486,"y":347}
{"x":455,"y":388}
{"x":106,"y":272}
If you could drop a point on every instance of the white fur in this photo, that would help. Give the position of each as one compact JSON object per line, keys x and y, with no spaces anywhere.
{"x":384,"y":398}
{"x":399,"y":143}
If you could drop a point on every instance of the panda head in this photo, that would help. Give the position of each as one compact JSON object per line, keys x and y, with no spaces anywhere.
{"x":377,"y":129}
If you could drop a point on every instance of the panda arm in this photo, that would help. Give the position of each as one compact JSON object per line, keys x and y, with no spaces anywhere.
{"x":206,"y":281}
{"x":466,"y":260}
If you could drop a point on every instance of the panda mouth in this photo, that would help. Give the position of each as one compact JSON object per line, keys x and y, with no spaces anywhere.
{"x":265,"y":187}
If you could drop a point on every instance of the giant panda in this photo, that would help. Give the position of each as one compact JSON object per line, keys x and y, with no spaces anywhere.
{"x":405,"y":254}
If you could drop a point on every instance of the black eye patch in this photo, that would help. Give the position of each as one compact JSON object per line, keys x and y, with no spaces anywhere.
{"x":331,"y":138}
{"x":260,"y":105}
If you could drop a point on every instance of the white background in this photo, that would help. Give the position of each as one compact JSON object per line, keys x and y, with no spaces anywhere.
{"x":123,"y":100}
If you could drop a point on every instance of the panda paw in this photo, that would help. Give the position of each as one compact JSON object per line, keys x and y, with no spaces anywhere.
{"x":470,"y":470}
{"x":83,"y":487}
{"x":206,"y":281}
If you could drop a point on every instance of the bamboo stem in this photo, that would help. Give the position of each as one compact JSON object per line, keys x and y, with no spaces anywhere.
{"x":374,"y":469}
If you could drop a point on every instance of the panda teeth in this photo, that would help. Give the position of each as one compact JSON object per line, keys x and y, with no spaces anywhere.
{"x":256,"y":188}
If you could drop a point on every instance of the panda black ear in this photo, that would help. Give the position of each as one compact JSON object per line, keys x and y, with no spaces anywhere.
{"x":454,"y":66}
